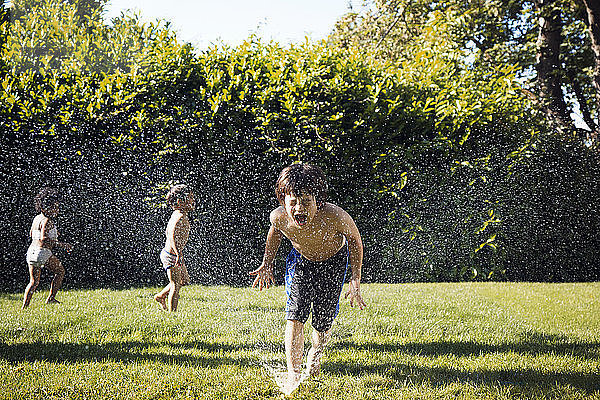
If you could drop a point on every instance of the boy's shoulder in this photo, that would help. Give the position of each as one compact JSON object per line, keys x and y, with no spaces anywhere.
{"x":177,"y":216}
{"x":277,"y":216}
{"x":331,"y":210}
{"x":42,"y":219}
{"x":334,"y":215}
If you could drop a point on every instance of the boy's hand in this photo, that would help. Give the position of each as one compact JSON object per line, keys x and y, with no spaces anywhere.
{"x":67,"y":247}
{"x":264,"y":276}
{"x":354,"y":294}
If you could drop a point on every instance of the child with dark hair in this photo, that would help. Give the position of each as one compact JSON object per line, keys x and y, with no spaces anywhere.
{"x":324,"y":238}
{"x":44,"y":237}
{"x":181,"y":200}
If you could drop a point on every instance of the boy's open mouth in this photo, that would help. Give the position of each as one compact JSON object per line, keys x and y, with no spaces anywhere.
{"x":301,"y":219}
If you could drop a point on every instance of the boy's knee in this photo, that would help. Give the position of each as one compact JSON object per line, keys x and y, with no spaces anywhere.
{"x":321,"y":336}
{"x":322,"y":327}
{"x":295,"y":323}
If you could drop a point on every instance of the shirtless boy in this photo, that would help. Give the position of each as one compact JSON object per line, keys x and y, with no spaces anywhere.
{"x":324,"y":237}
{"x":44,"y":237}
{"x":181,"y":200}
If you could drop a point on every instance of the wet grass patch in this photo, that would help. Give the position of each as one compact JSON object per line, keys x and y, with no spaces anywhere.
{"x":413,"y":341}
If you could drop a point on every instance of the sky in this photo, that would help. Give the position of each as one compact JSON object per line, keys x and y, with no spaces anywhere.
{"x":204,"y":22}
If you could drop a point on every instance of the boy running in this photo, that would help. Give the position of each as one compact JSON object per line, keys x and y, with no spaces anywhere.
{"x":181,"y":200}
{"x":44,"y":237}
{"x":324,"y":237}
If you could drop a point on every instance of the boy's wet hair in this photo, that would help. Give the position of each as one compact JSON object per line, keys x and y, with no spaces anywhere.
{"x":177,"y":193}
{"x":45,"y":199}
{"x":299,"y":179}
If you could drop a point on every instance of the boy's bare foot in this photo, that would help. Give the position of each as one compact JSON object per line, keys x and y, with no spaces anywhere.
{"x":292,"y":380}
{"x":313,"y":363}
{"x":162,"y":301}
{"x":52,"y":301}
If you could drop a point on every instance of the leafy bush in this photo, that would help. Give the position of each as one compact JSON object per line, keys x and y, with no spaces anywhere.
{"x":426,"y":156}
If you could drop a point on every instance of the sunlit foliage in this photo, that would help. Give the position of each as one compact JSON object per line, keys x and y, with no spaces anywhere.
{"x":426,"y":155}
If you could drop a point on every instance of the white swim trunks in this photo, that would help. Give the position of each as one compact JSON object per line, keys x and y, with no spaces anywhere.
{"x":168,"y":259}
{"x":38,"y":256}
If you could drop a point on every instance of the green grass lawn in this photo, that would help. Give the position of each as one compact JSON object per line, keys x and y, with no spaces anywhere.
{"x":414,"y":341}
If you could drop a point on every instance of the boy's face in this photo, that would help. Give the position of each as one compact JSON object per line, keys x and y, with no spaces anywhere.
{"x":188,"y":205}
{"x":301,"y":209}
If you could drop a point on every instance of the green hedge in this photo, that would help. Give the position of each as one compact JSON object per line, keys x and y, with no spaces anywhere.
{"x":433,"y":161}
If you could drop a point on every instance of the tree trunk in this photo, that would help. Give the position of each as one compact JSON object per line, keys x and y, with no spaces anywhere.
{"x":583,"y":105}
{"x":593,"y":15}
{"x":548,"y":64}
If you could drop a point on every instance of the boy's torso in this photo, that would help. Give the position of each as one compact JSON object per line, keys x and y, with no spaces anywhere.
{"x":36,"y":231}
{"x":177,"y":232}
{"x":318,"y":241}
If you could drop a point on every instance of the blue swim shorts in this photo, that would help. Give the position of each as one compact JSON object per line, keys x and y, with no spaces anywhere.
{"x":317,"y":284}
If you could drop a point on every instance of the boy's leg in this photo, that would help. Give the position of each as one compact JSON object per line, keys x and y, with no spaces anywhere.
{"x":185,"y":276}
{"x":326,"y":307}
{"x":55,"y":266}
{"x":294,"y":347}
{"x":167,"y":263}
{"x":298,"y":287}
{"x":313,"y":360}
{"x":34,"y":280}
{"x":174,"y":274}
{"x":161,"y":296}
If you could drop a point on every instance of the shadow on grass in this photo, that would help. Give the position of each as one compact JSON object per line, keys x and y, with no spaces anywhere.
{"x":12,"y":296}
{"x":133,"y":351}
{"x":533,"y":378}
{"x":534,"y":344}
{"x":527,"y":379}
{"x":256,"y":307}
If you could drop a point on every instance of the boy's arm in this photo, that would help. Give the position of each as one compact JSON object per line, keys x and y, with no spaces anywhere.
{"x":44,"y":227}
{"x":264,"y":273}
{"x":64,"y":245}
{"x":273,"y":241}
{"x":42,"y":230}
{"x":355,"y":246}
{"x":171,"y":229}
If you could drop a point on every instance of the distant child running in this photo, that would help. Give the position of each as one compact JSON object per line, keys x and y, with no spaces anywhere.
{"x":324,"y":237}
{"x":181,"y":199}
{"x":44,"y":237}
